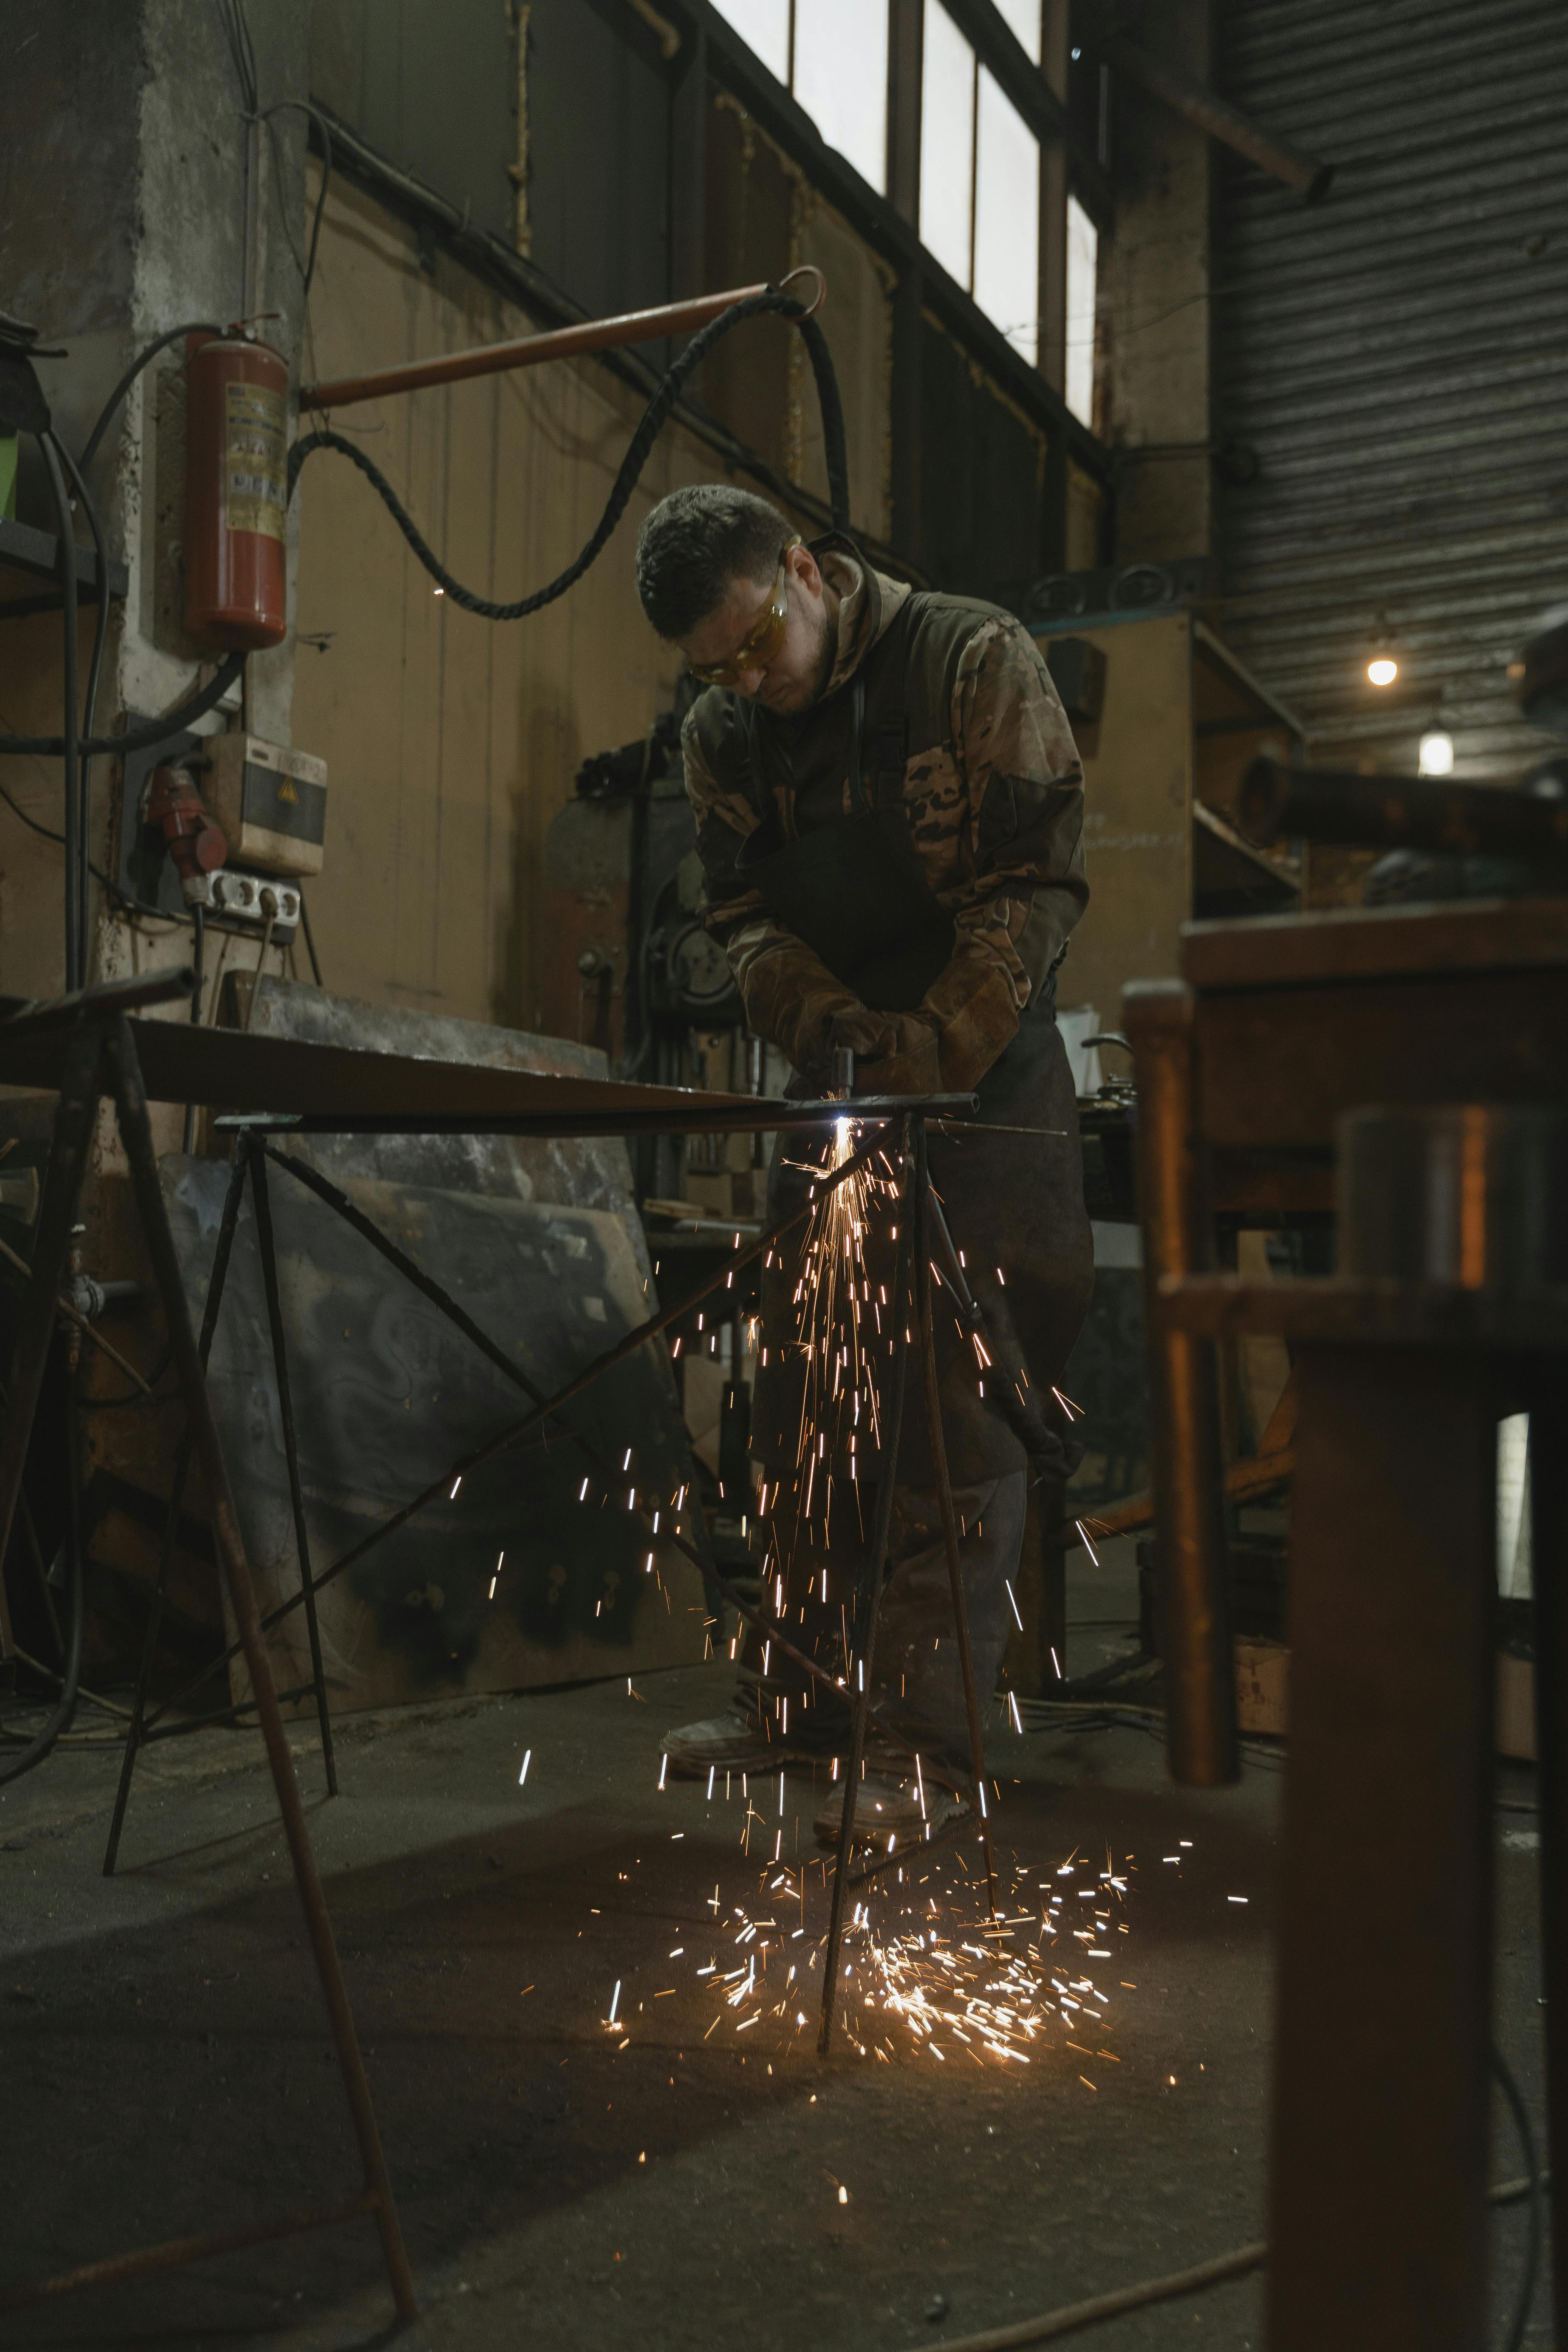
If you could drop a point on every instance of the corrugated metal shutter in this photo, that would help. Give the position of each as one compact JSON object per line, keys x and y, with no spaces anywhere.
{"x":1397,"y":359}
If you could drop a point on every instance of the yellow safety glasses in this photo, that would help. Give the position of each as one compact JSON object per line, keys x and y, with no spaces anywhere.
{"x":762,"y":640}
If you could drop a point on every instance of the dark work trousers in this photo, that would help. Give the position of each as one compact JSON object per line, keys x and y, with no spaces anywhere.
{"x":1014,"y":1204}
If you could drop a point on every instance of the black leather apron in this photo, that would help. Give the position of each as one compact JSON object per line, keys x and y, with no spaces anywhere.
{"x":853,"y":890}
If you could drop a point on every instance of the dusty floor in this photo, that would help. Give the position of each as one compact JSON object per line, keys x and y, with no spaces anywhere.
{"x":672,"y":2182}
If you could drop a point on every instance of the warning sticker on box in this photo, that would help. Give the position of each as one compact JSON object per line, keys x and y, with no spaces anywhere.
{"x":255,"y":460}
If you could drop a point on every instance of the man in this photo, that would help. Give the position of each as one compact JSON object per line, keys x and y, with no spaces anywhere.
{"x":888,"y":806}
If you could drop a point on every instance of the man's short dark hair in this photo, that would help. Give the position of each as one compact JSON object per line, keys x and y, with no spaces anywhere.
{"x":695,"y":542}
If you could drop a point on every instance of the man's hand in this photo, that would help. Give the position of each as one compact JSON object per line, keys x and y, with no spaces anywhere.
{"x":909,"y":1061}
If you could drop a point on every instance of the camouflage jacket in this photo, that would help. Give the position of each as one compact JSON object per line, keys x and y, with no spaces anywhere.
{"x":992,"y":791}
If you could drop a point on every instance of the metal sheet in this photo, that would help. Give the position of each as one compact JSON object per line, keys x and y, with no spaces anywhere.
{"x":227,"y":1070}
{"x":1396,"y":359}
{"x":387,"y":1393}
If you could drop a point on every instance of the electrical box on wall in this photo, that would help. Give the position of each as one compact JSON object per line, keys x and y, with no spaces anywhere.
{"x":271,"y":803}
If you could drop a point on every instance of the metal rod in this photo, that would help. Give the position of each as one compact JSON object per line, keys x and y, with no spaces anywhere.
{"x":137,"y":1729}
{"x":752,"y":1116}
{"x":1211,"y":113}
{"x":177,"y":2252}
{"x":949,"y":1512}
{"x":877,"y":1577}
{"x":1184,"y":1418}
{"x":529,"y":351}
{"x":131,"y":1101}
{"x":518,"y":1429}
{"x":109,"y":996}
{"x":257,"y":1153}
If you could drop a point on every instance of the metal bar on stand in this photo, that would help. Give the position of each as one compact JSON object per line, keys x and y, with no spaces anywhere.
{"x":137,"y":1727}
{"x":944,"y":1491}
{"x":136,"y":1134}
{"x":877,"y":1572}
{"x":255,"y":1152}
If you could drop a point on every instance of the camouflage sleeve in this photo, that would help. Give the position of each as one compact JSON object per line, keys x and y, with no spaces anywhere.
{"x":790,"y":997}
{"x":1018,"y":884}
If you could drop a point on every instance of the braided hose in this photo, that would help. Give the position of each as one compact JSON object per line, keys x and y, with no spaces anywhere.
{"x":654,"y":417}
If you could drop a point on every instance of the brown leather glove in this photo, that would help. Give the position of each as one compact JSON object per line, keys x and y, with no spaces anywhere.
{"x":971,"y":1007}
{"x":909,"y":1065}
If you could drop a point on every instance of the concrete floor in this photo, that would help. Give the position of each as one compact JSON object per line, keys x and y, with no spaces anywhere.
{"x":674,"y":2182}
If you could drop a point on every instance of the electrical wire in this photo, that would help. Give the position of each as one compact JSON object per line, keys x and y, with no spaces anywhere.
{"x":159,"y":343}
{"x":48,"y":833}
{"x":309,"y":942}
{"x":70,"y":745}
{"x":94,"y":672}
{"x":304,"y":263}
{"x":136,"y":739}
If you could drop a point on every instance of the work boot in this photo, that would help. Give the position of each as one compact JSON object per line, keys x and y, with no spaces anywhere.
{"x":887,"y":1812}
{"x":733,"y":1742}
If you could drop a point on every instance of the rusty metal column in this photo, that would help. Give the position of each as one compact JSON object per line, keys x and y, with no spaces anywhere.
{"x":1549,"y":1558}
{"x":1201,"y":1734}
{"x":1377,"y":2224}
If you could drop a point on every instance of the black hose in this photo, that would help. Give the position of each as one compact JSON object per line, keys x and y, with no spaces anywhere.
{"x":138,"y":739}
{"x":625,"y":482}
{"x":1533,"y":2248}
{"x":94,"y":672}
{"x":68,"y":744}
{"x":161,"y":343}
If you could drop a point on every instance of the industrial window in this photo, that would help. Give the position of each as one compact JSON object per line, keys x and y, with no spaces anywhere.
{"x":947,"y":145}
{"x":1083,"y":262}
{"x":841,"y":79}
{"x":979,"y":182}
{"x":1006,"y":218}
{"x":764,"y":26}
{"x":1024,"y":16}
{"x":833,"y":55}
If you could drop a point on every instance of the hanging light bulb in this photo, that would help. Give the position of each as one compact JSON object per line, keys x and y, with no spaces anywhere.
{"x":1437,"y":753}
{"x":1382,"y":670}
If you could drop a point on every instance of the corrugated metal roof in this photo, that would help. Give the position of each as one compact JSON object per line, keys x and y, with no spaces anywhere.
{"x":1397,"y":359}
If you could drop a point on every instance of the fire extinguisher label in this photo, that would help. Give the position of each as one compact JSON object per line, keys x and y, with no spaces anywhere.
{"x":255,"y":459}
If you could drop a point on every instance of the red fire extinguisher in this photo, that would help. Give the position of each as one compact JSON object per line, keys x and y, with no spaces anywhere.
{"x":237,"y":455}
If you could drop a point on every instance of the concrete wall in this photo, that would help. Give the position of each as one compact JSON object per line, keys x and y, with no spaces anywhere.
{"x":1154,"y":306}
{"x":120,"y":215}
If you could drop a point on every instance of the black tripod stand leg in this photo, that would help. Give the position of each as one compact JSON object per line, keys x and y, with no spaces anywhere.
{"x":170,"y":1527}
{"x":131,"y":1101}
{"x":949,"y":1513}
{"x":74,"y":1120}
{"x":876,"y":1565}
{"x":252,"y":1145}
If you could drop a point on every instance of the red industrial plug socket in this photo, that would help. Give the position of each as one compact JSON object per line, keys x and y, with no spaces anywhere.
{"x":196,"y":841}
